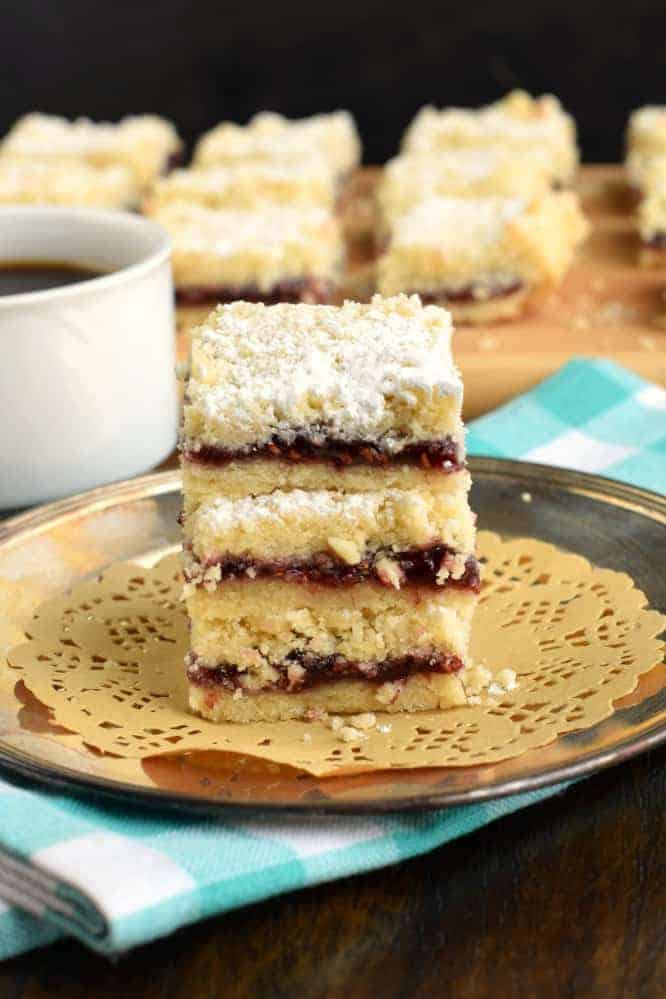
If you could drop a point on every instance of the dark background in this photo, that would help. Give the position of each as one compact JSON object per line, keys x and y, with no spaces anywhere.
{"x":200,"y":61}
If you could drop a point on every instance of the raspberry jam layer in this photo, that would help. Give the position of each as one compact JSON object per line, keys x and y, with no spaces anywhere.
{"x":472,"y":294}
{"x":443,"y":455}
{"x":175,"y":159}
{"x":415,"y":566}
{"x":304,"y":670}
{"x":311,"y":291}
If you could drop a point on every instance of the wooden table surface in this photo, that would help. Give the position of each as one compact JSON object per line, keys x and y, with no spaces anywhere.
{"x":565,"y":899}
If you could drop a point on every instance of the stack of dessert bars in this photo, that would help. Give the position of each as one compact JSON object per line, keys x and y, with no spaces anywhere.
{"x":254,"y":218}
{"x":329,"y":543}
{"x":646,"y":169}
{"x":473,"y":213}
{"x":45,"y":159}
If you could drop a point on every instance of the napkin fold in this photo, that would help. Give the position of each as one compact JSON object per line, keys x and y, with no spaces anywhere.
{"x":116,"y":876}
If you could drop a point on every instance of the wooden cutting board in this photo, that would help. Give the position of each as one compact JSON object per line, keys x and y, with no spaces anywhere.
{"x":607,"y":307}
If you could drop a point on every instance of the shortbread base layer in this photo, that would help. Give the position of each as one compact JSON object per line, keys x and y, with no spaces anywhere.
{"x":420,"y":692}
{"x":259,"y":477}
{"x":466,"y":309}
{"x":257,"y":625}
{"x":309,"y":291}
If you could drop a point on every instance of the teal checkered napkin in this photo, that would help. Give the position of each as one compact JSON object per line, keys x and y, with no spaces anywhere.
{"x":592,"y":415}
{"x":117,"y":876}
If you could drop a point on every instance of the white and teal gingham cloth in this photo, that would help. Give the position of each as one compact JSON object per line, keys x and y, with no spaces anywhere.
{"x":116,"y":876}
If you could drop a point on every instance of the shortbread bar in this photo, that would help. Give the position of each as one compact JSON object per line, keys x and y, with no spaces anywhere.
{"x":247,"y":185}
{"x":146,"y":144}
{"x":466,"y":172}
{"x":267,"y":136}
{"x":329,"y":546}
{"x":646,"y":147}
{"x":54,"y":181}
{"x":646,"y":133}
{"x":485,"y":258}
{"x":519,"y":123}
{"x":276,"y":254}
{"x":645,"y":170}
{"x":652,"y":224}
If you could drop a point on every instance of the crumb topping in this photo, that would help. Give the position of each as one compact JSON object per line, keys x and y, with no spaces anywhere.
{"x":516,"y":120}
{"x":482,"y":245}
{"x":248,"y":185}
{"x":267,"y":135}
{"x":143,"y":142}
{"x":463,"y":172}
{"x":382,"y":371}
{"x":647,"y":130}
{"x":241,"y":247}
{"x":454,"y":224}
{"x":228,"y":231}
{"x":56,"y":181}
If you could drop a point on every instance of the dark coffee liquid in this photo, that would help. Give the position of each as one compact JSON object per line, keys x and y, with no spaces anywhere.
{"x":20,"y":276}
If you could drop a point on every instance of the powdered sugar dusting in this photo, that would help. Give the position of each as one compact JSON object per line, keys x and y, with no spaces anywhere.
{"x":228,"y":231}
{"x":355,"y":372}
{"x":456,"y":223}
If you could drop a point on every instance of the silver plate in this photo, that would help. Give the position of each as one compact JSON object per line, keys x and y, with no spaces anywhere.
{"x":616,"y":526}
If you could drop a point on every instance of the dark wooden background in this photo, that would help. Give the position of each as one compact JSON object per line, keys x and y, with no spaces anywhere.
{"x":197,"y":61}
{"x":565,"y":900}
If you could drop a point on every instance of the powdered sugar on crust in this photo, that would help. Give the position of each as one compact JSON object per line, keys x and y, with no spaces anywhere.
{"x":143,"y":142}
{"x":447,"y":244}
{"x":332,"y":136}
{"x":516,"y":121}
{"x":468,"y":172}
{"x":647,"y":130}
{"x":248,"y":184}
{"x":237,"y":247}
{"x":457,"y":224}
{"x":297,"y":522}
{"x":230,"y":230}
{"x":225,"y":515}
{"x":381,"y":372}
{"x":56,"y":181}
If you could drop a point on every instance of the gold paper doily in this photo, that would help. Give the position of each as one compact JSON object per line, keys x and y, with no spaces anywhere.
{"x":105,"y":656}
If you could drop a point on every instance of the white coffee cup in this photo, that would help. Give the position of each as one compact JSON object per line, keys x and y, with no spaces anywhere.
{"x":87,"y":381}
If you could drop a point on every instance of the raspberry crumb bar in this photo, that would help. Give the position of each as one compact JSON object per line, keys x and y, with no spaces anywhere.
{"x":474,"y":172}
{"x":652,"y":224}
{"x":646,"y":147}
{"x":247,"y":185}
{"x":519,"y":123}
{"x":55,"y":181}
{"x":328,"y":541}
{"x":146,"y":144}
{"x":646,"y":132}
{"x":267,"y":136}
{"x":484,"y":258}
{"x":276,"y":254}
{"x":646,"y":172}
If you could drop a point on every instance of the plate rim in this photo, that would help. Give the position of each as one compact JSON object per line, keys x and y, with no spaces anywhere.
{"x":646,"y":502}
